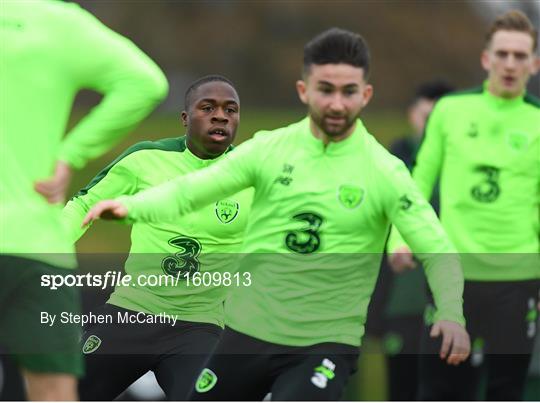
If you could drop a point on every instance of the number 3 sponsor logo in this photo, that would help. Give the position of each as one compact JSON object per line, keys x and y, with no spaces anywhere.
{"x":306,"y":240}
{"x":488,"y":190}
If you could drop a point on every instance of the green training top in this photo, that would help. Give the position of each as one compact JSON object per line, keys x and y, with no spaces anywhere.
{"x":317,"y":227}
{"x":202,"y":241}
{"x":487,"y":152}
{"x":49,"y":51}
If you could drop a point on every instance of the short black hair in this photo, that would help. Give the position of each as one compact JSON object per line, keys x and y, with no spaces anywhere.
{"x":432,"y":90}
{"x":335,"y":46}
{"x":203,"y":80}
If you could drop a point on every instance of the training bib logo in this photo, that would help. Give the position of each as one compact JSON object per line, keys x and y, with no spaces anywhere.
{"x":227,"y":210}
{"x":91,"y":344}
{"x":323,"y":374}
{"x":206,"y":381}
{"x":350,"y":196}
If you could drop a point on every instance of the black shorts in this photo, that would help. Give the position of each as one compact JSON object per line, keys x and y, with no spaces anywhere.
{"x":117,"y":354}
{"x":246,"y":368}
{"x":35,"y":345}
{"x":501,"y":321}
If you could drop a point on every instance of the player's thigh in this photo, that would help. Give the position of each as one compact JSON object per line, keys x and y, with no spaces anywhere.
{"x":176,"y":373}
{"x":513,"y":328}
{"x":27,"y":330}
{"x":315,"y":377}
{"x":234,"y":371}
{"x":109,"y":368}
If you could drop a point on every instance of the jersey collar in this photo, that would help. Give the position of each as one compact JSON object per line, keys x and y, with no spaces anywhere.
{"x":199,"y":162}
{"x":332,"y":148}
{"x":499,"y":102}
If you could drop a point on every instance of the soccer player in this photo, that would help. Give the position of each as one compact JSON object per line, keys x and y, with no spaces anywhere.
{"x":118,"y":354}
{"x":405,"y":302}
{"x":485,"y":145}
{"x":325,"y":193}
{"x":51,"y":50}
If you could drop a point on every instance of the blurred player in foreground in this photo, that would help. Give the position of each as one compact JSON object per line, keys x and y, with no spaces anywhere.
{"x":485,"y":145}
{"x":325,"y":193}
{"x":204,"y":241}
{"x":51,"y":50}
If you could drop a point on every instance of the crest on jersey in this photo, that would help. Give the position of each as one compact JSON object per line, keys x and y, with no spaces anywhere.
{"x":207,"y":380}
{"x":91,"y":344}
{"x":518,"y":140}
{"x":227,"y":210}
{"x":350,"y":196}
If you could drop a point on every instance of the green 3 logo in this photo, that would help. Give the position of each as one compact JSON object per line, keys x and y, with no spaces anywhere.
{"x":184,"y":261}
{"x":306,"y":240}
{"x":488,"y":190}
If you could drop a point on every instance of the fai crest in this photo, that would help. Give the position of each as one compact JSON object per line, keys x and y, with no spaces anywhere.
{"x":518,"y":140}
{"x":227,"y":210}
{"x":207,"y":380}
{"x":350,"y":196}
{"x":91,"y":344}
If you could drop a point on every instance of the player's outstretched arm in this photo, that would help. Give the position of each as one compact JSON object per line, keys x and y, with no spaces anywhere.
{"x":116,"y":179}
{"x":184,"y":194}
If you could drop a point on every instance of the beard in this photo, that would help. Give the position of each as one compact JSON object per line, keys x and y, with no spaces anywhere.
{"x":333,"y":129}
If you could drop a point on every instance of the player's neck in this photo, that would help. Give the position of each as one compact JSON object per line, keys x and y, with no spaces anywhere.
{"x":318,"y":133}
{"x":494,"y":91}
{"x":199,"y":153}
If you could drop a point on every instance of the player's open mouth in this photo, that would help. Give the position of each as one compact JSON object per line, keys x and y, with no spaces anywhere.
{"x":509,"y":80}
{"x":335,"y":120}
{"x":218,"y":134}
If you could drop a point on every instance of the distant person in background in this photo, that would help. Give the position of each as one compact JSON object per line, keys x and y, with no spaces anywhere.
{"x":50,"y":51}
{"x":404,"y":305}
{"x":485,"y":145}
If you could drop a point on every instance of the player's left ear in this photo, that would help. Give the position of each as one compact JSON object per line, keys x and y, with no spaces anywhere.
{"x":367,"y":93}
{"x":301,"y":88}
{"x":185,"y":119}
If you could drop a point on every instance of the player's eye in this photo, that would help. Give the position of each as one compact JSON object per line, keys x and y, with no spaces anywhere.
{"x":207,"y":108}
{"x":521,"y":56}
{"x":325,"y":90}
{"x":350,"y":91}
{"x":501,"y":54}
{"x":231,"y":110}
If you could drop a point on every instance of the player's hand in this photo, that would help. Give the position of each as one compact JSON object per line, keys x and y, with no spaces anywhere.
{"x":401,"y":260}
{"x":456,"y":345}
{"x":54,"y":188}
{"x":106,"y":209}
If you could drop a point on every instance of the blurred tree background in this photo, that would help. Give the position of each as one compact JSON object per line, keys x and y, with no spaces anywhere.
{"x":258,"y":45}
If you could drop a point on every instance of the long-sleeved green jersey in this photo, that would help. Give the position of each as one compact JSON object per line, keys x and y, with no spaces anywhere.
{"x":205,"y":241}
{"x":486,"y":150}
{"x":49,"y":51}
{"x":317,"y":226}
